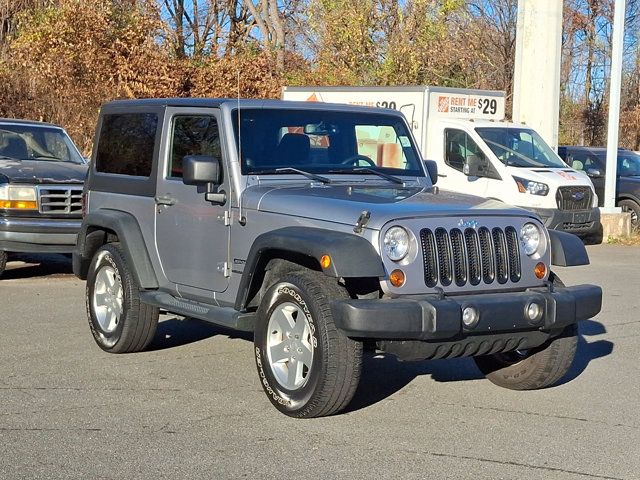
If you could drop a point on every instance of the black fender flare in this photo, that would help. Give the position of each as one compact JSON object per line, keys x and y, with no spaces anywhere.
{"x":351,"y":255}
{"x":126,"y":227}
{"x":567,"y":250}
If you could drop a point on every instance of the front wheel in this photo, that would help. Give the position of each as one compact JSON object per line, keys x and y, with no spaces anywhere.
{"x":307,"y":367}
{"x":536,"y":368}
{"x":532,"y":369}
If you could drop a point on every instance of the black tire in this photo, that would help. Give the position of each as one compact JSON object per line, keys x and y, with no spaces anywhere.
{"x":334,"y":372}
{"x":633,"y":208}
{"x":136,"y":325}
{"x":3,"y":261}
{"x":539,"y":367}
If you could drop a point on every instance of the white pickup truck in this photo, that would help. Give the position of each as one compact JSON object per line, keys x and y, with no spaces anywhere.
{"x":478,"y":152}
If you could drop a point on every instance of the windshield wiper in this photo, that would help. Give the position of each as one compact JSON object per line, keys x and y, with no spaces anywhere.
{"x":386,"y":176}
{"x":309,"y":175}
{"x":47,"y":156}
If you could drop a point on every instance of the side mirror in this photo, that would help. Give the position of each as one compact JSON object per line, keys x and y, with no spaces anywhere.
{"x":473,"y":166}
{"x":432,"y":170}
{"x":200,"y":170}
{"x":595,"y":173}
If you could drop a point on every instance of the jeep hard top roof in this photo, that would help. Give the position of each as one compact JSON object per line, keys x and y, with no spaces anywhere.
{"x":243,"y":103}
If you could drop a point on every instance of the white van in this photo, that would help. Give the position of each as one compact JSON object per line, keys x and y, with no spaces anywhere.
{"x":480,"y":154}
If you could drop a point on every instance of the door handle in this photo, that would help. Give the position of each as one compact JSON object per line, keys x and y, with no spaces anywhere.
{"x":168,"y":201}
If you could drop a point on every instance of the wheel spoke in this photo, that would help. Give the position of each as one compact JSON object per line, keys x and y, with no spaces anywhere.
{"x":283,"y":321}
{"x":306,"y":357}
{"x":292,"y":373}
{"x":111,"y":278}
{"x":100,"y":298}
{"x":278,"y":353}
{"x":300,"y":325}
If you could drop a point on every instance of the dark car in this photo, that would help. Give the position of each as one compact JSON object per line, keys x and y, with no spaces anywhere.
{"x":592,"y":160}
{"x":41,"y":179}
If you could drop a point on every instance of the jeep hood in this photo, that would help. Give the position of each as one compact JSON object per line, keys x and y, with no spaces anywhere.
{"x":344,"y":203}
{"x":41,"y":171}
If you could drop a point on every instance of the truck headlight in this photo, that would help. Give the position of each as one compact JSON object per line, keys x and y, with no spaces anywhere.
{"x":14,"y":197}
{"x":396,"y":243}
{"x":529,"y":186}
{"x":530,"y":238}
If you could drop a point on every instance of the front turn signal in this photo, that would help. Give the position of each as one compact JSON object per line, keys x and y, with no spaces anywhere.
{"x":397,"y":278}
{"x":540,"y":270}
{"x":18,"y":205}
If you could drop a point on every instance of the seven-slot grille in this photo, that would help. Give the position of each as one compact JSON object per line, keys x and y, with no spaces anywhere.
{"x":574,"y":198}
{"x":470,"y":256}
{"x":59,"y":199}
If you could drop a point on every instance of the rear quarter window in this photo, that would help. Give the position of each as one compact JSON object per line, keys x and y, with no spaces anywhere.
{"x":126,"y":144}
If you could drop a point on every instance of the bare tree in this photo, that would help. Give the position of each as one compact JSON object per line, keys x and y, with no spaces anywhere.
{"x":267,"y":16}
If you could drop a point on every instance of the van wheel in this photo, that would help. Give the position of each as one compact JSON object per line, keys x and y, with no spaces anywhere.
{"x":536,"y":368}
{"x":629,"y":206}
{"x":3,"y":261}
{"x":307,"y":367}
{"x":119,"y":321}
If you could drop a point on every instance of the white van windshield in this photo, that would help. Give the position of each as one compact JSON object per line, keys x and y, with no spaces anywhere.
{"x":520,"y":147}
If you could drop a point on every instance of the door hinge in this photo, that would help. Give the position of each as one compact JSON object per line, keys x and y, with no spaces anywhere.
{"x":223,"y":268}
{"x":225,"y":218}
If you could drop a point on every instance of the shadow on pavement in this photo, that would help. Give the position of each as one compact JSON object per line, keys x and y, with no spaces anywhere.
{"x":176,"y":332}
{"x":383,"y":375}
{"x":588,"y":351}
{"x":37,"y":265}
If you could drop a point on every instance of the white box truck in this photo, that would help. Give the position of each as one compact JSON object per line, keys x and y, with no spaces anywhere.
{"x":479,"y":153}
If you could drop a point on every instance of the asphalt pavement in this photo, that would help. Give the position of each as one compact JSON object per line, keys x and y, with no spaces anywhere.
{"x":192,"y":406}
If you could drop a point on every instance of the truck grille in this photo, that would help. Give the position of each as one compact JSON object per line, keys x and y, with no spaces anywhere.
{"x":60,"y":199}
{"x":574,"y":198}
{"x":470,"y":256}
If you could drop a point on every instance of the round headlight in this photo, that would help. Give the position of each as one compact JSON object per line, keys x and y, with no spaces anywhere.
{"x":396,"y":243}
{"x":530,"y":237}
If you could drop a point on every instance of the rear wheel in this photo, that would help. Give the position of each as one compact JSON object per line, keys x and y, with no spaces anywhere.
{"x":535,"y":368}
{"x":119,"y":321}
{"x":629,"y":206}
{"x":3,"y":261}
{"x":307,"y":367}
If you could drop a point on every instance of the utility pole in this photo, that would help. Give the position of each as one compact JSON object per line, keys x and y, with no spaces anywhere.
{"x":611,"y":176}
{"x":536,"y":89}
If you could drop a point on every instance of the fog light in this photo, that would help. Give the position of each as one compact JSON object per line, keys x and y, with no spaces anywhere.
{"x":534,"y":312}
{"x":470,"y":316}
{"x":397,"y":278}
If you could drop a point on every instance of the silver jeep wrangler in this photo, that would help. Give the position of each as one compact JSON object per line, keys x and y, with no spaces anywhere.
{"x":318,"y":228}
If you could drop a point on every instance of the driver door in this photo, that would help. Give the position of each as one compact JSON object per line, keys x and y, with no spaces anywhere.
{"x":191,"y":236}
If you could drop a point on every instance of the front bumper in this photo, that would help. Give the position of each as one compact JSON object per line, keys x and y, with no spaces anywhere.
{"x":578,"y":222}
{"x":38,"y":234}
{"x":432,"y":325}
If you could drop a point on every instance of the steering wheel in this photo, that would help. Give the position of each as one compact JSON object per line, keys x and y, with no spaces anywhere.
{"x":355,"y":159}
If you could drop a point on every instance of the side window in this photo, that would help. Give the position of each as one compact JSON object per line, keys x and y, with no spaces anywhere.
{"x":126,"y":144}
{"x":458,"y":146}
{"x":193,"y":135}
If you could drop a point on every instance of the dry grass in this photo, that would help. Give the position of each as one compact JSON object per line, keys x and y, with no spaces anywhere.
{"x":633,"y":240}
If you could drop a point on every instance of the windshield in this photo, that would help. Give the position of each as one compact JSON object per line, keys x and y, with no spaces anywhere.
{"x":321,"y":141}
{"x":520,"y":147}
{"x":34,"y":142}
{"x":628,"y":163}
